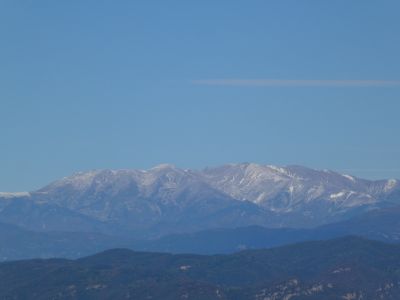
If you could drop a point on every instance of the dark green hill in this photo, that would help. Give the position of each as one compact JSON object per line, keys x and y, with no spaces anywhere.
{"x":345,"y":268}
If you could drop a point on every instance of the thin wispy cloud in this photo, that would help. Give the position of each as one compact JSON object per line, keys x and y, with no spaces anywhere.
{"x":296,"y":83}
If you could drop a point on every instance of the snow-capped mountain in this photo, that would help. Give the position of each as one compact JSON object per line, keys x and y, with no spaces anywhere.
{"x":167,"y":199}
{"x":284,"y":189}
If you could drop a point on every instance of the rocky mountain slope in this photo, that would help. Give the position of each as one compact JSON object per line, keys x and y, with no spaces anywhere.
{"x":166,"y":199}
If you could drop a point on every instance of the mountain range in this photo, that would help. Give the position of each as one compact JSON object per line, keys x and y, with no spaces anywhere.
{"x":216,"y":210}
{"x":168,"y":200}
{"x":18,"y":243}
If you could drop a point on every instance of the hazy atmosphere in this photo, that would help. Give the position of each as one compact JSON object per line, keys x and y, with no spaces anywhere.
{"x":132,"y":84}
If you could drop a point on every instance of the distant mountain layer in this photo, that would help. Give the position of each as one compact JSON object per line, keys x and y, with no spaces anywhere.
{"x":382,"y":225}
{"x":166,"y":199}
{"x":346,"y":268}
{"x":18,"y":243}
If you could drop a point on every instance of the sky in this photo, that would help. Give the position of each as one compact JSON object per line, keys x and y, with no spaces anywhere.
{"x":101,"y":84}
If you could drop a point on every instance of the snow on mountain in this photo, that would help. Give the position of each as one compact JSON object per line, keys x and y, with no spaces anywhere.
{"x":163,"y":182}
{"x":349,"y":177}
{"x":169,"y":199}
{"x":5,"y":195}
{"x":250,"y":182}
{"x":294,"y":186}
{"x":164,"y":198}
{"x":390,"y":185}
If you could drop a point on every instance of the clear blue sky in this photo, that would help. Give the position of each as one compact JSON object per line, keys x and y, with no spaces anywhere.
{"x":131,"y":84}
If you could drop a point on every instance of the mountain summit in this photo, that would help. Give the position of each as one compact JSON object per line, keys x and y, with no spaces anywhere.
{"x":167,"y":199}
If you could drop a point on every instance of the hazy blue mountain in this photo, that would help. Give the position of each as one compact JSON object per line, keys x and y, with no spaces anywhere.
{"x":382,"y":225}
{"x":166,"y":199}
{"x":228,"y":240}
{"x":346,"y":268}
{"x":18,"y":243}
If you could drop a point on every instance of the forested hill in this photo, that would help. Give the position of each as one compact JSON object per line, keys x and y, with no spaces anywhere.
{"x":345,"y":268}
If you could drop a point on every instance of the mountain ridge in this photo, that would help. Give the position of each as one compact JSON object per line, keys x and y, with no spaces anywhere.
{"x":344,"y":268}
{"x":19,"y":243}
{"x":166,"y":199}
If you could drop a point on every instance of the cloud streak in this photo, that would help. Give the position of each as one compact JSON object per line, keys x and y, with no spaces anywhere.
{"x":296,"y":83}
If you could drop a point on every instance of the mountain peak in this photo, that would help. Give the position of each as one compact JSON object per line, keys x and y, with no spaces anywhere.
{"x":256,"y":193}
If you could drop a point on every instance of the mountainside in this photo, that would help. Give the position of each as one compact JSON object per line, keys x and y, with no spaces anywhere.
{"x":17,"y":243}
{"x":300,"y":196}
{"x":346,"y":268}
{"x":166,"y":199}
{"x":382,"y":224}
